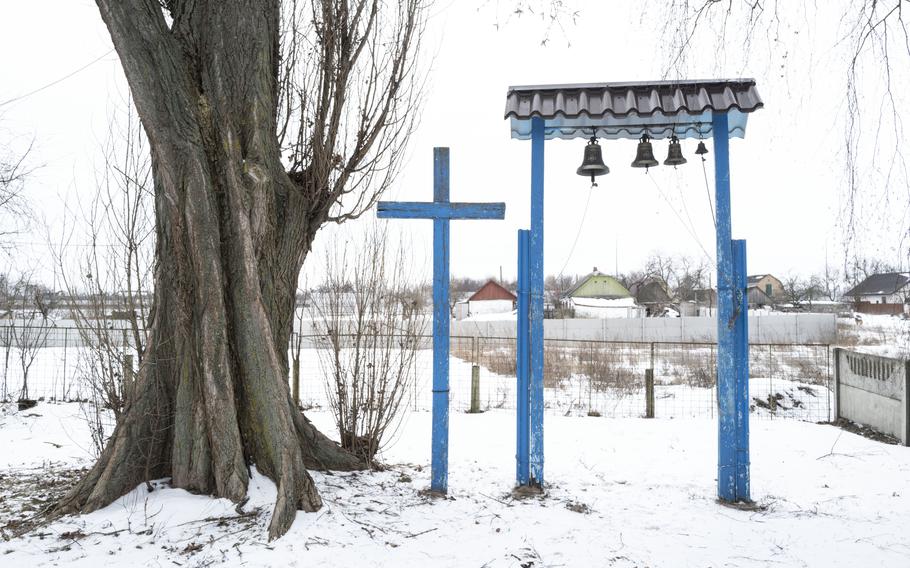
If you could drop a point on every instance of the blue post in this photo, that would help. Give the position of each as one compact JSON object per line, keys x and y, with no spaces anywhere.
{"x":741,"y":361}
{"x":441,"y":212}
{"x":727,"y":430}
{"x":522,"y":366}
{"x":535,"y":282}
{"x":440,"y":451}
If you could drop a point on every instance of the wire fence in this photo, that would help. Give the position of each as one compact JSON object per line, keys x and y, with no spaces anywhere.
{"x":599,"y":378}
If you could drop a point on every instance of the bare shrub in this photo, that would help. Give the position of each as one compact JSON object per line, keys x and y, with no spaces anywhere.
{"x":108,"y":281}
{"x":605,"y":371}
{"x":701,"y":377}
{"x":369,"y":322}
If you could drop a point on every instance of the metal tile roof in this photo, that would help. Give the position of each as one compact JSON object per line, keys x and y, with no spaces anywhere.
{"x":626,"y":110}
{"x":880,"y":284}
{"x":492,"y":291}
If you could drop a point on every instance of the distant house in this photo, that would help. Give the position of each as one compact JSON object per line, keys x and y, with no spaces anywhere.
{"x":771,"y":286}
{"x":598,"y":295}
{"x":697,"y":302}
{"x":891,"y":288}
{"x":491,"y":298}
{"x":652,"y":295}
{"x":705,"y":301}
{"x":757,"y":297}
{"x":599,"y":285}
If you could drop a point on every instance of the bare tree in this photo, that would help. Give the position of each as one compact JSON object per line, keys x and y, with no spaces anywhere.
{"x":370,"y":320}
{"x":874,"y":44}
{"x":553,"y":15}
{"x":265,"y":120}
{"x":31,"y":325}
{"x":796,"y":290}
{"x":15,"y":211}
{"x":829,"y":283}
{"x":692,"y":275}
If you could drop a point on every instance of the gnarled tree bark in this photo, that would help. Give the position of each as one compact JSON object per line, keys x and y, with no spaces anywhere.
{"x":233,"y":228}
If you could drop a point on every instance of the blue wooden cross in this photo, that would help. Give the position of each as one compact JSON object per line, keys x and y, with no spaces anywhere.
{"x":441,"y":211}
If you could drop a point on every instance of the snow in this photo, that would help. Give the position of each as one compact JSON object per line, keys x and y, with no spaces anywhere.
{"x":621,"y":492}
{"x":491,"y":316}
{"x":887,"y":336}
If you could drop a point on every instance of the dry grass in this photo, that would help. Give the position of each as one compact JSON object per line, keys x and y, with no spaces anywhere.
{"x":620,"y":366}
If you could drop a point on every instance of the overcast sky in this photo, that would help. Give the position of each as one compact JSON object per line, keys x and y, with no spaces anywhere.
{"x":787,"y":174}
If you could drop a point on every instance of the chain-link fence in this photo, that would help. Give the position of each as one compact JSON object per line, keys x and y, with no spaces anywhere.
{"x":605,"y":378}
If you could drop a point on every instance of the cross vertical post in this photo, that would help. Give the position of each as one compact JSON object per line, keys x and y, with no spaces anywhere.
{"x":440,"y":450}
{"x":732,"y":341}
{"x":535,"y":282}
{"x":441,"y":211}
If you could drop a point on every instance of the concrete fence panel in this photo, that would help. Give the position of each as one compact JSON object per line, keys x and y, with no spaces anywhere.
{"x":782,"y":329}
{"x":873,"y":391}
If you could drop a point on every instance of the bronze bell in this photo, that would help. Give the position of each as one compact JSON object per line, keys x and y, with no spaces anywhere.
{"x":645,"y":156}
{"x":701,"y":150}
{"x":593,"y":164}
{"x":674,"y":156}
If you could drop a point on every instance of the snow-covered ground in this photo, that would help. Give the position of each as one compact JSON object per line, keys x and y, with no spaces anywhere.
{"x":620,"y":492}
{"x":888,"y":336}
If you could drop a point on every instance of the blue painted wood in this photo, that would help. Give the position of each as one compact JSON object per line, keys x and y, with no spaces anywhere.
{"x":535,"y":282}
{"x":741,"y":372}
{"x":522,"y":452}
{"x":439,"y":210}
{"x":726,"y":380}
{"x":439,"y":480}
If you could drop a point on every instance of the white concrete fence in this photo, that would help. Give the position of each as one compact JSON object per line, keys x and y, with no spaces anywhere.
{"x":873,"y":391}
{"x":774,"y":329}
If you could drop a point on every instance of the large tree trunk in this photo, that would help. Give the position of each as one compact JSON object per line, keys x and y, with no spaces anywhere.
{"x":212,"y":397}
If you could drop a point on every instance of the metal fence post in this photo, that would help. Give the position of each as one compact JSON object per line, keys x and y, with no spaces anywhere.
{"x":837,"y":352}
{"x":65,"y":349}
{"x":649,"y":392}
{"x":772,"y":401}
{"x":907,"y":403}
{"x":475,"y":389}
{"x":827,"y":382}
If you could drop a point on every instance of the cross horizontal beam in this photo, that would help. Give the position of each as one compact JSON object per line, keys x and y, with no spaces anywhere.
{"x":434,"y":210}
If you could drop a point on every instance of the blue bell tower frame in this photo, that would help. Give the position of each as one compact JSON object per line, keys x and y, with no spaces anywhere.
{"x":716,"y":109}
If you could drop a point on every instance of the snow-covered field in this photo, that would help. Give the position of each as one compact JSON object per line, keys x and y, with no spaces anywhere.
{"x":620,"y":492}
{"x":888,"y":336}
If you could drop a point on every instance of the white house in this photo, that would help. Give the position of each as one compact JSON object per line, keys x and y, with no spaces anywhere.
{"x":887,"y":288}
{"x":605,"y":308}
{"x":491,"y":298}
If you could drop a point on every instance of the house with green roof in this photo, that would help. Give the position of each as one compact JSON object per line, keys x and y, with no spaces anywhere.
{"x":598,"y":285}
{"x":600,"y":295}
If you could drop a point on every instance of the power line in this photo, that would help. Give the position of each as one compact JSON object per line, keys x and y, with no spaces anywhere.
{"x":65,"y":245}
{"x":61,"y":79}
